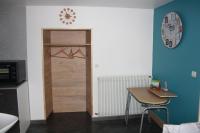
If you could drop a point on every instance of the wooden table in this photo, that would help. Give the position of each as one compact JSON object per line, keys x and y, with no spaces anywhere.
{"x":161,"y":93}
{"x":149,"y":99}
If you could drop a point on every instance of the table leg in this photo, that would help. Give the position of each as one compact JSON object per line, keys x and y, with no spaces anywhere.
{"x":167,"y":114}
{"x":141,"y":124}
{"x":127,"y":107}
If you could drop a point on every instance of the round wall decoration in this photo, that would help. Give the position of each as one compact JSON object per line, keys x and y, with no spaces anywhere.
{"x":171,"y":30}
{"x":67,"y":16}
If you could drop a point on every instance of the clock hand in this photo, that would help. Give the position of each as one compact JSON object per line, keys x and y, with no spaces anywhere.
{"x":67,"y":16}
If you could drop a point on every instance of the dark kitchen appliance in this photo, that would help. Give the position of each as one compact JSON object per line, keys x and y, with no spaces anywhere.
{"x":12,"y":72}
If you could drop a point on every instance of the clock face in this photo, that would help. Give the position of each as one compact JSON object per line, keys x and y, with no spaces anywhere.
{"x":171,"y":30}
{"x":67,"y":16}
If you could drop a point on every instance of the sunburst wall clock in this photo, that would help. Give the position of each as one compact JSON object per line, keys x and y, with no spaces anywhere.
{"x":67,"y":16}
{"x":171,"y":30}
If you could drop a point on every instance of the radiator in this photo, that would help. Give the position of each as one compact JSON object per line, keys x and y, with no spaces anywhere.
{"x":112,"y":94}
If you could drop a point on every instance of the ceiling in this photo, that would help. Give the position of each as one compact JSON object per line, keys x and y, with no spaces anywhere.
{"x":145,"y":4}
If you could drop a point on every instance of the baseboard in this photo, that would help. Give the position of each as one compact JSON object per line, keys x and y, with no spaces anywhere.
{"x":38,"y":122}
{"x":156,"y":119}
{"x":114,"y":117}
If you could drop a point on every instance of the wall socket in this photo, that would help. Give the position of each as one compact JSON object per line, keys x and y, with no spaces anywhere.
{"x":194,"y":74}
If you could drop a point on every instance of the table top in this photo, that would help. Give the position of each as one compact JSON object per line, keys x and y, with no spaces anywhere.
{"x":143,"y":95}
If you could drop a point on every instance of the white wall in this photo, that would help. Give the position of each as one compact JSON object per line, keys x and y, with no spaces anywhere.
{"x":122,"y":41}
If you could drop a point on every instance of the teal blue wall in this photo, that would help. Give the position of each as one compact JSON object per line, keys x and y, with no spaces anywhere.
{"x":175,"y":65}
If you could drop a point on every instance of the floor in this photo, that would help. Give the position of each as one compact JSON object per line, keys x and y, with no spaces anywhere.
{"x":81,"y":123}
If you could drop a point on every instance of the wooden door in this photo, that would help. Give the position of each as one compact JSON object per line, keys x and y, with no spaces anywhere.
{"x":68,"y":82}
{"x":47,"y":74}
{"x":70,"y":77}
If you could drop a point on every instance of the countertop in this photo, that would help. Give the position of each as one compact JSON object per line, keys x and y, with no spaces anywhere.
{"x":10,"y":86}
